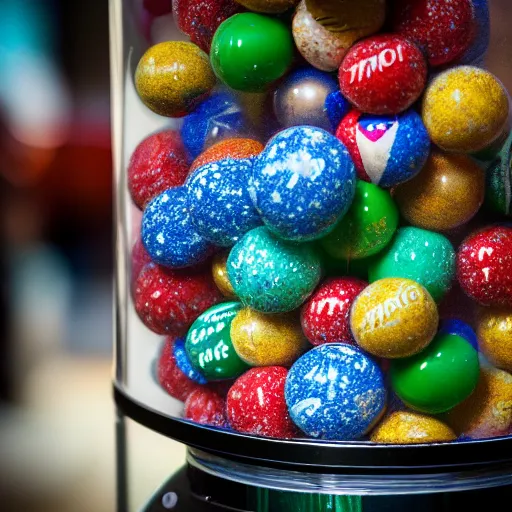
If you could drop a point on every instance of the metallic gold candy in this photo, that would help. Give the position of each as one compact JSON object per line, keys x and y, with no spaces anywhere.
{"x":173,"y":77}
{"x":220,"y":275}
{"x":446,"y":194}
{"x":404,"y":427}
{"x":269,"y":6}
{"x":494,"y":331}
{"x":394,"y":318}
{"x":267,"y":340}
{"x":465,"y":109}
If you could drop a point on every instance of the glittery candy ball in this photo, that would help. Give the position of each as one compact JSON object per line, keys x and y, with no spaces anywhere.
{"x":459,"y":328}
{"x":199,"y":19}
{"x":261,"y":339}
{"x":394,"y":318}
{"x":234,"y":149}
{"x":301,"y":99}
{"x":420,"y":255}
{"x":218,"y":117}
{"x":303,"y":183}
{"x":444,"y":29}
{"x":337,"y":108}
{"x":335,"y":392}
{"x":206,"y":407}
{"x":168,"y":233}
{"x":268,"y":6}
{"x":184,"y":364}
{"x":158,"y":163}
{"x":271,"y":275}
{"x":465,"y":109}
{"x":494,"y":329}
{"x":173,"y":77}
{"x":168,"y":301}
{"x":386,"y":150}
{"x":498,"y":191}
{"x":256,"y":404}
{"x":403,"y":427}
{"x":446,"y":194}
{"x":219,"y":203}
{"x":484,"y":266}
{"x":220,"y":274}
{"x":383,"y":74}
{"x":325,"y":318}
{"x":477,"y":50}
{"x":139,"y":259}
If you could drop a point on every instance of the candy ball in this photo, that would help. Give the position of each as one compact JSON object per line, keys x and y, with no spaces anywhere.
{"x":446,"y":194}
{"x":209,"y":345}
{"x":303,"y":183}
{"x":267,"y":340}
{"x":158,"y":163}
{"x":383,"y":74}
{"x":484,"y":266}
{"x":139,"y":259}
{"x":172,"y":78}
{"x":337,"y":108}
{"x":394,"y":318}
{"x":444,"y":29}
{"x":218,"y":117}
{"x":302,"y":99}
{"x":422,"y":256}
{"x":168,"y":301}
{"x":460,"y":328}
{"x":184,"y":364}
{"x":403,"y":427}
{"x":271,"y":275}
{"x":368,"y":226}
{"x":220,"y":274}
{"x":498,"y":191}
{"x":234,"y":149}
{"x":268,"y":6}
{"x":250,"y":51}
{"x":219,"y":203}
{"x":256,"y":405}
{"x":168,"y":233}
{"x":494,"y":330}
{"x":465,"y":109}
{"x":488,"y":411}
{"x":386,"y":150}
{"x":335,"y":392}
{"x":439,"y":378}
{"x":325,"y":317}
{"x":206,"y":407}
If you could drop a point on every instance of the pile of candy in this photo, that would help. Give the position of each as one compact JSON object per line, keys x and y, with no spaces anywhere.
{"x":325,"y":241}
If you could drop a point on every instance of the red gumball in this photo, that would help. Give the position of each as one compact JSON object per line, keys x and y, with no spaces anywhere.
{"x":158,"y":163}
{"x":444,"y":29}
{"x":206,"y":407}
{"x":140,"y":258}
{"x":168,"y":301}
{"x":325,"y":317}
{"x":256,"y":404}
{"x":384,"y":74}
{"x":199,"y":19}
{"x":484,"y":266}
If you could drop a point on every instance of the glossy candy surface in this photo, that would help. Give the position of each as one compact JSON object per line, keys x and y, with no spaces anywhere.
{"x":494,"y":330}
{"x":220,"y":274}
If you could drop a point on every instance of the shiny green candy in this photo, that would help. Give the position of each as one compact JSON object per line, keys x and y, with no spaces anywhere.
{"x":250,"y":51}
{"x":368,"y":226}
{"x":420,"y":255}
{"x":439,"y":377}
{"x":209,"y":346}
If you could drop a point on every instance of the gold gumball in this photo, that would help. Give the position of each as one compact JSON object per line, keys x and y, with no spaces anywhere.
{"x":220,"y":275}
{"x":494,"y":331}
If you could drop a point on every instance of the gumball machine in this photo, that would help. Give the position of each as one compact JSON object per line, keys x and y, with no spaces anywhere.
{"x":314,"y":252}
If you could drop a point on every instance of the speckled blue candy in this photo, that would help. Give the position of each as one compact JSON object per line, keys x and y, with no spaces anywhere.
{"x":184,"y":364}
{"x":459,"y":328}
{"x":303,"y":183}
{"x":475,"y":54}
{"x":219,"y":117}
{"x":168,"y":234}
{"x":337,"y":107}
{"x":219,"y":202}
{"x":335,"y":392}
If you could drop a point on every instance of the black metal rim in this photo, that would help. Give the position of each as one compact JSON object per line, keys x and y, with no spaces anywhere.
{"x":319,"y":456}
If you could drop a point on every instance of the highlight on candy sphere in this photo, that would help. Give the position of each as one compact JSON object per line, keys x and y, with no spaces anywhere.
{"x":220,"y":274}
{"x":303,"y":183}
{"x":386,"y":150}
{"x":446,"y":194}
{"x":335,"y":392}
{"x":268,"y":6}
{"x":494,"y":330}
{"x":465,"y":109}
{"x":206,"y":407}
{"x":173,"y":77}
{"x":250,"y":51}
{"x":271,"y":275}
{"x":394,"y":318}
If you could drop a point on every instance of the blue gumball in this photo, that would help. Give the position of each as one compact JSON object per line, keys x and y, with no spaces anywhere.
{"x":219,"y":117}
{"x":459,"y":328}
{"x":168,"y":234}
{"x":219,"y":202}
{"x":387,"y":150}
{"x":337,"y":107}
{"x":184,"y":364}
{"x":303,"y":183}
{"x":475,"y":54}
{"x":335,"y":392}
